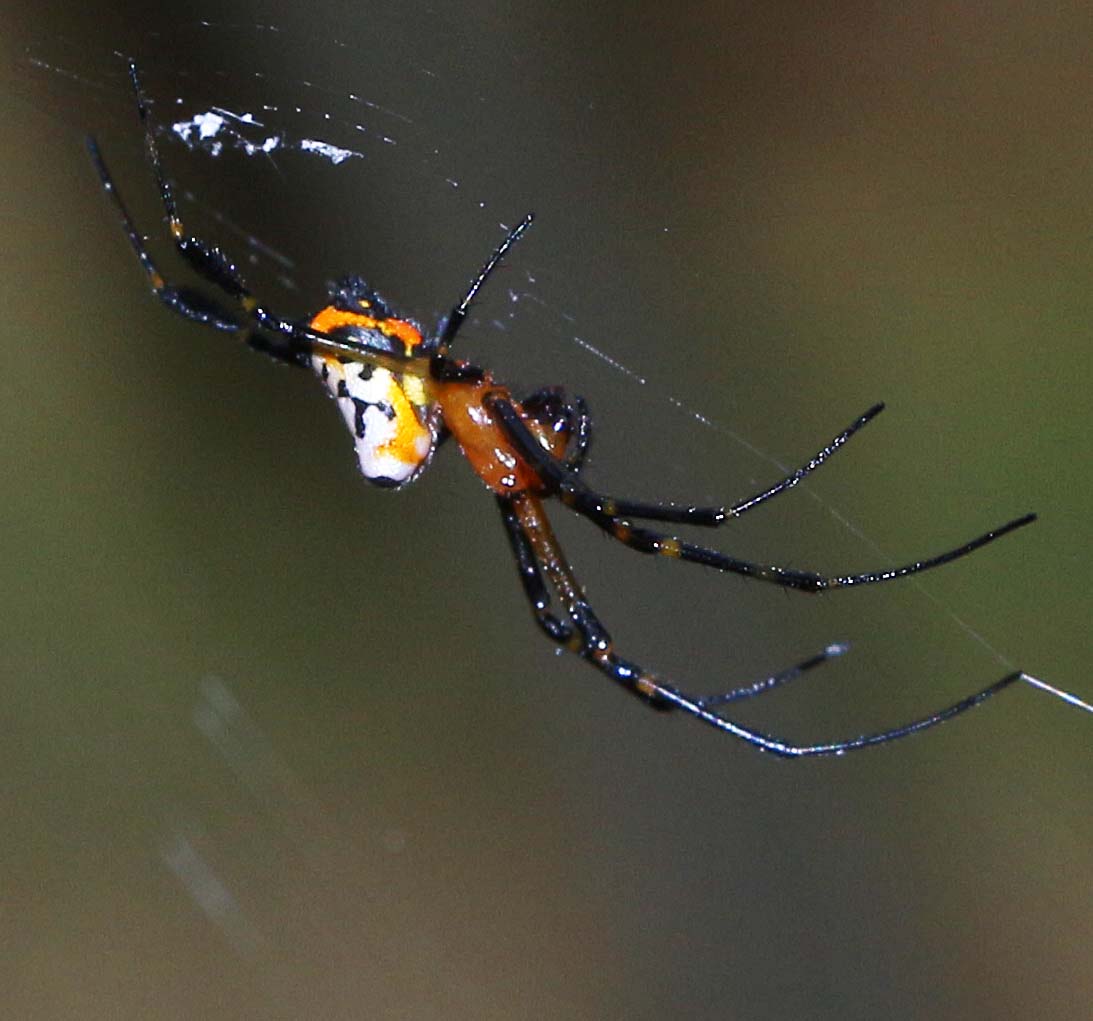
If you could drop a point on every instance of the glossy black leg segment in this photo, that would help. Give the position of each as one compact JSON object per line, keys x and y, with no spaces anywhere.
{"x":524,"y":514}
{"x":791,"y":480}
{"x":210,"y":263}
{"x":574,"y":493}
{"x":582,"y":441}
{"x":289,"y":343}
{"x":646,"y":541}
{"x":689,"y":514}
{"x":781,"y":748}
{"x":186,"y":302}
{"x":448,"y":370}
{"x":531,"y":578}
{"x":775,"y":680}
{"x":602,"y":510}
{"x":451,"y":325}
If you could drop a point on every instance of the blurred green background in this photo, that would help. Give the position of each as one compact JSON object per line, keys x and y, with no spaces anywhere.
{"x":278,"y":745}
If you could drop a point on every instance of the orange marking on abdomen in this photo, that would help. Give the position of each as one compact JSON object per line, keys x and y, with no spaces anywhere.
{"x":411,"y":437}
{"x":329,"y":319}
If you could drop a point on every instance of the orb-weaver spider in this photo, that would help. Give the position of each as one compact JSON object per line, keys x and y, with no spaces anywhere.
{"x":402,"y":394}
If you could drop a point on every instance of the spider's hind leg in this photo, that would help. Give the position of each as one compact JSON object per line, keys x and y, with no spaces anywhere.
{"x":276,"y":336}
{"x":581,"y":498}
{"x":761,"y":687}
{"x":531,"y":578}
{"x":538,"y":552}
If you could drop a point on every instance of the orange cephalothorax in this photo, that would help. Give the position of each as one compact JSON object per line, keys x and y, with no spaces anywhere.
{"x":485,"y":443}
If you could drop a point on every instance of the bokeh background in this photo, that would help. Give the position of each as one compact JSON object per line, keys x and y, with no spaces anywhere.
{"x":276,"y":745}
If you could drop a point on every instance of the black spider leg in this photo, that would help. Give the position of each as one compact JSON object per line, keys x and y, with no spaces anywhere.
{"x":791,"y":480}
{"x":582,"y":440}
{"x":538,"y":596}
{"x":186,"y":302}
{"x":293,"y":344}
{"x":714,"y":516}
{"x":777,"y":746}
{"x":531,"y":578}
{"x":279,"y":337}
{"x":208,"y":261}
{"x":761,"y":687}
{"x":192,"y":304}
{"x":590,"y":505}
{"x":591,"y":641}
{"x":551,"y":404}
{"x":450,"y":327}
{"x":709,"y":517}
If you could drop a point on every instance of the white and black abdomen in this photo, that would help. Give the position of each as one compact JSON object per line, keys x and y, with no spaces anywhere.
{"x":388,"y":413}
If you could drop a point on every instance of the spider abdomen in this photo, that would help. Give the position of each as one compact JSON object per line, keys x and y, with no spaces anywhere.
{"x":387,"y":412}
{"x":391,"y":429}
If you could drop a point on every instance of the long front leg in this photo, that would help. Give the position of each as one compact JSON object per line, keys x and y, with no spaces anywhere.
{"x":185,"y":301}
{"x":578,"y":495}
{"x":605,"y":512}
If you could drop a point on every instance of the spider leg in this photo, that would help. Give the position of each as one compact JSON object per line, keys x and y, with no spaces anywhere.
{"x":539,"y":597}
{"x":532,"y":579}
{"x":603,"y":511}
{"x":186,"y":302}
{"x":456,"y":317}
{"x":714,"y":516}
{"x":577,"y":494}
{"x":575,"y":461}
{"x":574,"y":493}
{"x":279,"y":337}
{"x":593,"y":643}
{"x":791,"y":480}
{"x":192,"y":304}
{"x":777,"y":746}
{"x":646,"y":541}
{"x":206,"y":260}
{"x":775,"y":680}
{"x":551,"y":406}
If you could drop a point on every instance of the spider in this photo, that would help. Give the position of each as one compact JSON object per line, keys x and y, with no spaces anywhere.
{"x":402,"y":394}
